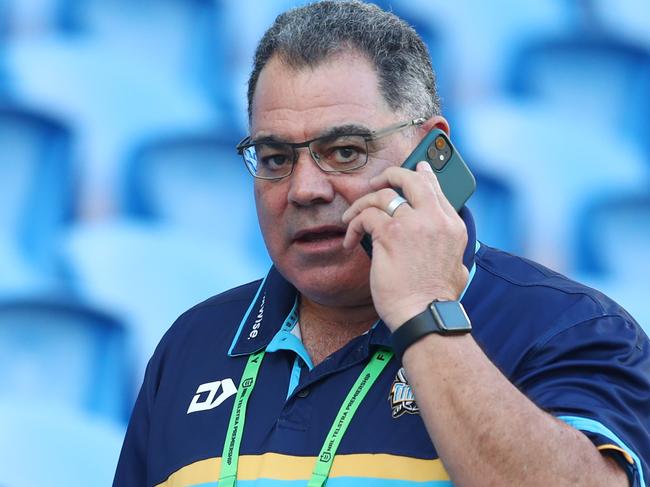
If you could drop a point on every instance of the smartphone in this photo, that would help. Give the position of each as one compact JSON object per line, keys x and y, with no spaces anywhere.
{"x":456,"y":180}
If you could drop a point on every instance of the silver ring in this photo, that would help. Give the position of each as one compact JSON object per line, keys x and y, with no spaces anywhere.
{"x":395,"y":203}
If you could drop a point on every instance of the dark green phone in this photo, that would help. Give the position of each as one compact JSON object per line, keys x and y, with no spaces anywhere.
{"x":455,"y":178}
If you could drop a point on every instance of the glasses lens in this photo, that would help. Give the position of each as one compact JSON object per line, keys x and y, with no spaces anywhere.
{"x":342,"y":153}
{"x":269,"y":160}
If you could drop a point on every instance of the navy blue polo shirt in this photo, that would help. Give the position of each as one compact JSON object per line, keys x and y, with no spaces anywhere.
{"x":571,"y":350}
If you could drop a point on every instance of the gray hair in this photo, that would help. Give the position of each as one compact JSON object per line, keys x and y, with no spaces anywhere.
{"x":306,"y":36}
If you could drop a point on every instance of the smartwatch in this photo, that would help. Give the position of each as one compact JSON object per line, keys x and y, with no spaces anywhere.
{"x":442,"y":317}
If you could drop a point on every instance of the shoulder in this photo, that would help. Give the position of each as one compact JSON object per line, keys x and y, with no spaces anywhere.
{"x":518,"y":302}
{"x":542,"y":288}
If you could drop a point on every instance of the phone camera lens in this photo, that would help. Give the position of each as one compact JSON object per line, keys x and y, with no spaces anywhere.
{"x":439,"y":153}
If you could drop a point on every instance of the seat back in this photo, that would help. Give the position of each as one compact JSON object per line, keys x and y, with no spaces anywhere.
{"x":196,"y":183}
{"x":37,"y":185}
{"x":64,"y":354}
{"x":614,"y":237}
{"x":495,"y":211}
{"x":42,"y":444}
{"x":4,"y":30}
{"x":590,"y":77}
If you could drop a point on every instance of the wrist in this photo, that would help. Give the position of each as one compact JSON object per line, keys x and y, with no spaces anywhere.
{"x":440,"y":317}
{"x":408,"y":309}
{"x":396,"y":319}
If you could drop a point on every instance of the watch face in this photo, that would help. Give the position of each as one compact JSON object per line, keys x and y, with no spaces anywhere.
{"x":451,"y":316}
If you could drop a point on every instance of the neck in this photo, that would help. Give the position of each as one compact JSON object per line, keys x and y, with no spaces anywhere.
{"x":326,"y":329}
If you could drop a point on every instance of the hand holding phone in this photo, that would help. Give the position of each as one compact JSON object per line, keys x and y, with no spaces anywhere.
{"x":456,"y":180}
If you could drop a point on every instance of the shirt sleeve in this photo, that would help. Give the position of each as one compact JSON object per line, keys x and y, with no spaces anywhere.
{"x":132,"y":465}
{"x":595,"y":376}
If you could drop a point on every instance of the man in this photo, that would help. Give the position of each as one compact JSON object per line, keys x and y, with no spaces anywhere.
{"x":293,"y":378}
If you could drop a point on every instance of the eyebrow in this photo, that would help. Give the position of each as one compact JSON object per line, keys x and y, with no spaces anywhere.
{"x":348,"y":129}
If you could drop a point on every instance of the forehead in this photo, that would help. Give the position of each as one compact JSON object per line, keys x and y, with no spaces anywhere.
{"x":298,"y":104}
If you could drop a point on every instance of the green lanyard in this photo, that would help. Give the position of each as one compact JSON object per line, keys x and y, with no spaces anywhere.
{"x":230,"y":455}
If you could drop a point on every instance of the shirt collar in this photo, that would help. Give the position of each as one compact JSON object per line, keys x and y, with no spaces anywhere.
{"x":273,"y":306}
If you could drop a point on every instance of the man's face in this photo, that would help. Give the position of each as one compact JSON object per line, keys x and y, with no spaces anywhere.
{"x":300,"y":215}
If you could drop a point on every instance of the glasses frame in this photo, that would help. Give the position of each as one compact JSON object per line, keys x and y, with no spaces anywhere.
{"x":246,"y":143}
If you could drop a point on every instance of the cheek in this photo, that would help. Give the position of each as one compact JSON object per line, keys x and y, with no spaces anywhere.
{"x":359,"y":184}
{"x":270,"y":204}
{"x":267,"y":199}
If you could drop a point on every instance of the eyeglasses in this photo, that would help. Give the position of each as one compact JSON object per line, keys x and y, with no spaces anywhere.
{"x":336,"y":153}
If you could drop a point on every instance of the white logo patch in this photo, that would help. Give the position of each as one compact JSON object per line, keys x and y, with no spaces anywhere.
{"x":258,"y":319}
{"x":401,"y":397}
{"x":211,"y":401}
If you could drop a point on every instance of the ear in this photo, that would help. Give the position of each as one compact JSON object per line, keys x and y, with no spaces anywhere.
{"x":435,"y":122}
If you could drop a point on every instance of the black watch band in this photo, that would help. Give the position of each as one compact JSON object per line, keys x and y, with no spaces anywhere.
{"x":442,"y":317}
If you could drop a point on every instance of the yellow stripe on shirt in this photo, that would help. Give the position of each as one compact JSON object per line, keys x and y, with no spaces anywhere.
{"x":617,"y":448}
{"x":287,"y":467}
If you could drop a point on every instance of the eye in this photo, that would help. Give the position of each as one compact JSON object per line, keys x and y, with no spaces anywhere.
{"x":343,"y":152}
{"x":275,"y":161}
{"x":273,"y":157}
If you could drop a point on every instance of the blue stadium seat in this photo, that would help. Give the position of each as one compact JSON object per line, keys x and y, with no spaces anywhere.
{"x":630,"y":18}
{"x":67,"y":16}
{"x":588,"y":76}
{"x":613,"y":236}
{"x":37,"y":199}
{"x":196,"y":23}
{"x":65,"y":354}
{"x":4,"y":74}
{"x":208,"y":60}
{"x":150,"y":273}
{"x":555,"y":162}
{"x":42,"y":444}
{"x":496,"y":212}
{"x":188,"y":227}
{"x":197,"y":183}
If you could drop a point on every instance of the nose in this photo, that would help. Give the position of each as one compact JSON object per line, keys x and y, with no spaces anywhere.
{"x":309,"y":185}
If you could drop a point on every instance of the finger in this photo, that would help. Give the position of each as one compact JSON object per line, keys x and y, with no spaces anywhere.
{"x":378,"y":199}
{"x":425,"y":169}
{"x":369,"y":221}
{"x":414,"y":185}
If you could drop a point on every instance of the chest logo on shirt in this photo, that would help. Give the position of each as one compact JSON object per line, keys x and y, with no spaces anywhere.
{"x":401,"y":396}
{"x":211,"y":400}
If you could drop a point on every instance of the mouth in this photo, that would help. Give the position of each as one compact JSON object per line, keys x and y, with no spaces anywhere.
{"x":321,"y":234}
